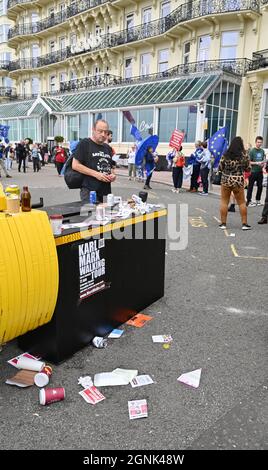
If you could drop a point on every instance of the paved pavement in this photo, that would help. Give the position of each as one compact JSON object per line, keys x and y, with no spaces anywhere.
{"x":215,"y":308}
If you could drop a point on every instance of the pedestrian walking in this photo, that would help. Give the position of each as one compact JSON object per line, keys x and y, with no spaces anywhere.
{"x":264,"y":216}
{"x":150,"y":160}
{"x":232,"y":165}
{"x":2,"y":163}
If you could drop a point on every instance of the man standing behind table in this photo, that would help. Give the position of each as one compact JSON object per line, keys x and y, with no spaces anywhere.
{"x":93,"y":158}
{"x":257,"y":160}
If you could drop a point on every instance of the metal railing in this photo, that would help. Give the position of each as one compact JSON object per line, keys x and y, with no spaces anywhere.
{"x":55,"y":18}
{"x":8,"y":92}
{"x":4,"y":64}
{"x":185,"y":12}
{"x":237,"y":67}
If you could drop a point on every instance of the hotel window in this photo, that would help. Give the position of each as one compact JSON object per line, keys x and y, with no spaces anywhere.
{"x":62,"y":43}
{"x":51,"y":46}
{"x":130,"y":21}
{"x":128,"y":68}
{"x":5,"y":56}
{"x":164,"y":9}
{"x":51,"y":12}
{"x":73,"y":127}
{"x":229,"y":42}
{"x":24,"y":87}
{"x":3,"y":7}
{"x":145,"y":64}
{"x":73,"y":39}
{"x":35,"y":86}
{"x":63,"y":77}
{"x":163,"y":60}
{"x":4,"y":28}
{"x":182,"y":117}
{"x":97,"y":30}
{"x":146,"y":15}
{"x":186,"y":52}
{"x":61,"y":8}
{"x":52,"y":83}
{"x":35,"y":54}
{"x":203,"y":48}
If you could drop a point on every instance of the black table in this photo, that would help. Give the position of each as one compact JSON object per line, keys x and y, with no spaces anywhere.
{"x":107,"y":275}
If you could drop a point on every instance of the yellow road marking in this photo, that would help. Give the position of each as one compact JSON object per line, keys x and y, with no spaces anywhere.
{"x":197,"y":222}
{"x":246,"y":257}
{"x":234,"y":251}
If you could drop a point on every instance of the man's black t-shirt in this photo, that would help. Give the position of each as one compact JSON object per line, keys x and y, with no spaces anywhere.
{"x":96,"y":157}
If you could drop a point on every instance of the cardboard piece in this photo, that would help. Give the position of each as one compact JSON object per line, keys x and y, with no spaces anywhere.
{"x":14,"y":360}
{"x":23,"y":378}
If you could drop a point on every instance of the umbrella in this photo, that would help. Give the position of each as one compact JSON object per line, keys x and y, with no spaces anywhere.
{"x":150,"y":141}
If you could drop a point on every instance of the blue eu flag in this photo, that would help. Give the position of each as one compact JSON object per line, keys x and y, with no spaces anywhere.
{"x":217,"y":144}
{"x":4,"y":131}
{"x":135,"y":132}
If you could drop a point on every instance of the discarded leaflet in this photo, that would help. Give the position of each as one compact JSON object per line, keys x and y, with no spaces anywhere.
{"x":162,"y":338}
{"x":191,"y":378}
{"x":116,"y":333}
{"x":137,"y":409}
{"x":139,"y":320}
{"x":92,"y":395}
{"x":141,"y":380}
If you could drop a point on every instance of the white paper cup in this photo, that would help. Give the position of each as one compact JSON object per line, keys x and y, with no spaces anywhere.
{"x":30,"y":364}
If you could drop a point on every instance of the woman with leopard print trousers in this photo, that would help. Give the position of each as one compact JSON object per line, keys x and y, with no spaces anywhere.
{"x":232,"y":165}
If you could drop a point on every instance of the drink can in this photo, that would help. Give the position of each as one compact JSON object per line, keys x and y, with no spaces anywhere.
{"x":92,"y":197}
{"x":110,"y":200}
{"x":50,"y":395}
{"x":99,"y":342}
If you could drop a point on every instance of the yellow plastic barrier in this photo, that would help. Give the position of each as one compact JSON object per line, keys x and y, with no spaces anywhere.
{"x":29,"y":274}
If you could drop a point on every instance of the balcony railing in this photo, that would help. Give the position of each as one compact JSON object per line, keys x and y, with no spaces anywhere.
{"x":54,"y":19}
{"x":235,"y":66}
{"x":12,"y":3}
{"x":260,"y":59}
{"x":8,"y":92}
{"x":4,"y":64}
{"x":184,"y":12}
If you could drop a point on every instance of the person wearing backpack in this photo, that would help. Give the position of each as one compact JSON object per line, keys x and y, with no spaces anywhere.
{"x":92,"y":159}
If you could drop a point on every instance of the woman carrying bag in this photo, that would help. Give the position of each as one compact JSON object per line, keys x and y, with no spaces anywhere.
{"x":232,"y":165}
{"x":177,"y":170}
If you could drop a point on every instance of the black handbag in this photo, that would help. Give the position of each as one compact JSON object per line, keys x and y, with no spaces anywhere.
{"x":216,"y":178}
{"x":72,"y":178}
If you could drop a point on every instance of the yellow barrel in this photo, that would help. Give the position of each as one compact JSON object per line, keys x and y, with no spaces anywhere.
{"x":29,"y":274}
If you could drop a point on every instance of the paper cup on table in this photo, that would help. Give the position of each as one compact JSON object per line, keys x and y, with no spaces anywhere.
{"x":42,"y":378}
{"x":30,"y":364}
{"x":51,"y":395}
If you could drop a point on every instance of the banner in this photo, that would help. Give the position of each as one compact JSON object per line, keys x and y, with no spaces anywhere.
{"x":176,"y":139}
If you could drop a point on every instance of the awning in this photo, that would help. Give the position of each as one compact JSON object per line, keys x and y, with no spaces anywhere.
{"x":177,"y":90}
{"x":168,"y":91}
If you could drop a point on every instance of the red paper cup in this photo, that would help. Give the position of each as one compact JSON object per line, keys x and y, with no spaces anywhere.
{"x":42,"y":378}
{"x":51,"y":395}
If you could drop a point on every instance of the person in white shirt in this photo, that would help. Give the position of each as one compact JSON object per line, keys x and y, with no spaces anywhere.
{"x":131,"y":162}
